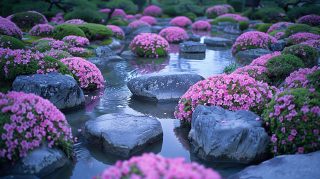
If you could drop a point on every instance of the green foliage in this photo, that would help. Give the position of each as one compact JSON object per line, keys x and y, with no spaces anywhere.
{"x":296,"y":12}
{"x":230,"y":68}
{"x":88,"y":15}
{"x":236,"y":4}
{"x":11,"y":42}
{"x":127,"y":5}
{"x":268,"y":14}
{"x":216,"y":21}
{"x":118,"y":22}
{"x":63,"y":30}
{"x":263,"y":27}
{"x":297,"y":28}
{"x":314,"y":80}
{"x":178,"y":8}
{"x":26,"y":20}
{"x":96,"y":31}
{"x":243,"y":25}
{"x":281,"y":66}
{"x":307,"y":54}
{"x":52,"y":63}
{"x":190,"y":15}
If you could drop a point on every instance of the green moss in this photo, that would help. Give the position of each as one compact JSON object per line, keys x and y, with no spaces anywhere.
{"x":307,"y":54}
{"x":314,"y":80}
{"x":96,"y":31}
{"x":26,"y":20}
{"x":142,"y":53}
{"x":268,"y":14}
{"x":11,"y":42}
{"x":86,"y":14}
{"x":106,"y":42}
{"x":263,"y":27}
{"x":127,"y":5}
{"x":190,"y":15}
{"x":296,"y":12}
{"x":297,"y":28}
{"x":281,"y":66}
{"x":243,"y":25}
{"x":63,"y":30}
{"x":223,"y":19}
{"x":230,"y":68}
{"x":29,"y":40}
{"x":52,"y":63}
{"x":118,"y":22}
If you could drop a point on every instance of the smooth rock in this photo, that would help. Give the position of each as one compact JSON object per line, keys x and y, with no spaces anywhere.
{"x":40,"y":162}
{"x":245,"y":57}
{"x":129,"y":55}
{"x":192,"y":47}
{"x":192,"y":56}
{"x":221,"y":135}
{"x":134,"y":32}
{"x":278,"y":46}
{"x":123,"y":134}
{"x":62,"y":90}
{"x":217,"y":41}
{"x":299,"y":166}
{"x":194,"y":37}
{"x":162,"y":87}
{"x":115,"y":44}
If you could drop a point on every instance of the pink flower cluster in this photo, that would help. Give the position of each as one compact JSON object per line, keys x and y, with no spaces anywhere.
{"x":75,"y":21}
{"x":58,"y":18}
{"x":57,"y":54}
{"x":117,"y":31}
{"x":149,"y":19}
{"x":252,"y":40}
{"x":138,"y":23}
{"x":87,"y":74}
{"x":157,"y":167}
{"x":233,"y":92}
{"x":130,"y":17}
{"x":279,"y":26}
{"x":149,"y":45}
{"x":152,"y":10}
{"x":76,"y":41}
{"x":302,"y":37}
{"x":201,"y":25}
{"x":235,"y":17}
{"x":279,"y":35}
{"x":312,"y":19}
{"x":262,"y":60}
{"x":298,"y":79}
{"x":259,"y":73}
{"x":31,"y":121}
{"x":105,"y":10}
{"x":79,"y":51}
{"x":312,"y":43}
{"x":43,"y":30}
{"x":9,"y":28}
{"x":174,"y":34}
{"x":218,"y":10}
{"x":181,"y":21}
{"x":118,"y":13}
{"x":58,"y":45}
{"x":293,"y":119}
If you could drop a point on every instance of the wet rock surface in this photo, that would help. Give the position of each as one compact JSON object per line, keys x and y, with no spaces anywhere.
{"x":162,"y":87}
{"x":284,"y":167}
{"x":192,"y":47}
{"x":62,"y":90}
{"x":123,"y":134}
{"x":245,"y":57}
{"x":217,"y":42}
{"x":221,"y":135}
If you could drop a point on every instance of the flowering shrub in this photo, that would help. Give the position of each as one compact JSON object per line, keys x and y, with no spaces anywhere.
{"x":10,"y":42}
{"x":58,"y":18}
{"x":155,"y":166}
{"x":149,"y":45}
{"x":300,"y":78}
{"x":34,"y":117}
{"x":312,"y":19}
{"x":278,"y":34}
{"x":9,"y":28}
{"x":80,"y":52}
{"x":307,"y":54}
{"x":201,"y":25}
{"x":295,"y":28}
{"x":105,"y":10}
{"x":118,"y":13}
{"x":281,"y":66}
{"x":138,"y":23}
{"x":130,"y":17}
{"x":293,"y":120}
{"x":217,"y":10}
{"x":149,"y":19}
{"x":42,"y":30}
{"x":235,"y":17}
{"x":259,"y":73}
{"x":152,"y":11}
{"x":181,"y":21}
{"x":233,"y":92}
{"x":95,"y":31}
{"x":174,"y":34}
{"x":26,"y":20}
{"x":279,"y":26}
{"x":45,"y":45}
{"x":302,"y":37}
{"x":262,"y":60}
{"x":75,"y":21}
{"x":252,"y":40}
{"x":312,"y":43}
{"x":86,"y":73}
{"x":117,"y":31}
{"x":57,"y":54}
{"x":76,"y":41}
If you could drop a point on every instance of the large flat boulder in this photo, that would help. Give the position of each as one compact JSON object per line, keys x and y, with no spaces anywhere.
{"x":217,"y":42}
{"x":123,"y":134}
{"x":221,"y":135}
{"x":245,"y":57}
{"x":162,"y":87}
{"x":192,"y":47}
{"x":62,"y":90}
{"x":299,"y":166}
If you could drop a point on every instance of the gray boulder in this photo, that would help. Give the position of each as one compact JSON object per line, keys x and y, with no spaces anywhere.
{"x":217,"y":42}
{"x":40,"y":162}
{"x":62,"y":90}
{"x":192,"y":47}
{"x":129,"y":55}
{"x":284,"y":167}
{"x":162,"y":87}
{"x":193,"y":56}
{"x":245,"y":57}
{"x":278,"y":46}
{"x":221,"y":135}
{"x":194,"y":37}
{"x":123,"y":134}
{"x":137,"y":31}
{"x":115,"y":44}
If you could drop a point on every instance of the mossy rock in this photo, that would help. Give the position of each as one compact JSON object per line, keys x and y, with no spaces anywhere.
{"x":118,"y":22}
{"x":11,"y":42}
{"x":26,"y":20}
{"x":51,"y":63}
{"x":223,"y":19}
{"x":96,"y":31}
{"x":190,"y":15}
{"x":63,"y":30}
{"x":307,"y":54}
{"x":243,"y":25}
{"x":295,"y":28}
{"x":263,"y":27}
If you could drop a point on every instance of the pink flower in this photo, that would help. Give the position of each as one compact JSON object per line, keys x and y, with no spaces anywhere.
{"x":262,"y":60}
{"x":260,"y":73}
{"x":58,"y":18}
{"x":235,"y":17}
{"x":218,"y":10}
{"x":174,"y":34}
{"x":41,"y":30}
{"x":279,"y":26}
{"x":105,"y":10}
{"x":152,"y":10}
{"x":201,"y":25}
{"x":312,"y":43}
{"x":75,"y":21}
{"x":138,"y":23}
{"x":181,"y":21}
{"x":312,"y":19}
{"x":76,"y":41}
{"x":117,"y":31}
{"x":298,"y":79}
{"x":9,"y":28}
{"x":149,"y":19}
{"x":118,"y":12}
{"x":302,"y":37}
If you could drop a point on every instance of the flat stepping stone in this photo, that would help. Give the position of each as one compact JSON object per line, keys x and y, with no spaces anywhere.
{"x":217,"y":42}
{"x":192,"y":47}
{"x":245,"y":57}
